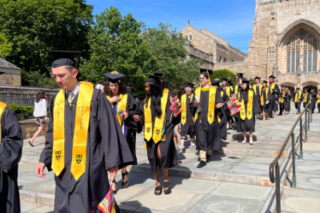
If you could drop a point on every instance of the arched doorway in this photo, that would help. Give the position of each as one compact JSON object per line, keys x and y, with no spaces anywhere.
{"x":311,"y":87}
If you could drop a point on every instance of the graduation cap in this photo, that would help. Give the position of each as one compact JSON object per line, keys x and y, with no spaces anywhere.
{"x":160,"y":75}
{"x":298,"y":88}
{"x":240,"y":75}
{"x":114,"y":76}
{"x":257,"y":78}
{"x":264,"y":82}
{"x":246,"y":80}
{"x":154,"y":80}
{"x":64,"y":58}
{"x":190,"y":85}
{"x":229,"y":79}
{"x":215,"y":81}
{"x":271,"y":76}
{"x":224,"y":79}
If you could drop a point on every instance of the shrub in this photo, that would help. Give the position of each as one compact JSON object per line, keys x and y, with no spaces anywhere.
{"x":224,"y":74}
{"x":21,"y":109}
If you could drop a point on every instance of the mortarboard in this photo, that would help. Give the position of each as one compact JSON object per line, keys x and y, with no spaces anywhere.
{"x":240,"y":75}
{"x":229,"y":79}
{"x":257,"y":78}
{"x":298,"y":88}
{"x":265,"y":82}
{"x":190,"y":85}
{"x":246,"y":80}
{"x":215,"y":81}
{"x":114,"y":76}
{"x":224,"y":79}
{"x":271,"y":76}
{"x":154,"y":80}
{"x":64,"y":58}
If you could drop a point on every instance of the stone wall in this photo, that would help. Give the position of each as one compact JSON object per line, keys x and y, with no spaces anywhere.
{"x":214,"y":36}
{"x":10,"y":80}
{"x":236,"y":67}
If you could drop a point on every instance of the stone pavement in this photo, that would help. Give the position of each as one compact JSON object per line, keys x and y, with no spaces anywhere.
{"x":236,"y":180}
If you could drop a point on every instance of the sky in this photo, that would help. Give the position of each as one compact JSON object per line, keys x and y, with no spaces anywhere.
{"x":231,"y":20}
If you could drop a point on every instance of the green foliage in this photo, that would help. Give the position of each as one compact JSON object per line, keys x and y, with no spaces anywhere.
{"x":5,"y":46}
{"x":116,"y":45}
{"x":36,"y":79}
{"x":168,"y":47}
{"x":35,"y":26}
{"x":224,"y":74}
{"x":19,"y":109}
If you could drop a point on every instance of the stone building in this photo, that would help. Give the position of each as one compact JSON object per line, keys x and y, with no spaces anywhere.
{"x":10,"y":74}
{"x":210,"y":47}
{"x":285,"y":43}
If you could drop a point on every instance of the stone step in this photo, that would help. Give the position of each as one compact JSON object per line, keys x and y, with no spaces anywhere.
{"x":35,"y":208}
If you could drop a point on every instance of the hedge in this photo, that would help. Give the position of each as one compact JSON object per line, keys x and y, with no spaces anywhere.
{"x":20,"y":109}
{"x":224,"y":74}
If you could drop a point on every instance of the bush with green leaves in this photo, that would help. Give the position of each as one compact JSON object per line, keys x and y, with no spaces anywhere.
{"x":21,"y":109}
{"x":224,"y":74}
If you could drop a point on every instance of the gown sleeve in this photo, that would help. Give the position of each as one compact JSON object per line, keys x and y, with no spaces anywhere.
{"x":140,"y":112}
{"x":256,"y":105}
{"x":131,"y":110}
{"x":115,"y":147}
{"x":11,"y":141}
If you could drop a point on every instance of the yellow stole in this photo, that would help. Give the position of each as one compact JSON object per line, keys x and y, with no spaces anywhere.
{"x":318,"y":98}
{"x":305,"y":97}
{"x":184,"y":108}
{"x":243,"y":114}
{"x":236,"y":88}
{"x":261,"y":97}
{"x":80,"y":137}
{"x":282,"y":98}
{"x":159,"y":122}
{"x":122,"y":104}
{"x":297,"y":97}
{"x":255,"y":88}
{"x":272,"y":86}
{"x":212,"y":101}
{"x":228,"y":90}
{"x":2,"y":107}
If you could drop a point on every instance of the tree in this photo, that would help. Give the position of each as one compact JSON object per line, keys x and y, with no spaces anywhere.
{"x":116,"y":45}
{"x":38,"y":79}
{"x":5,"y":46}
{"x":35,"y":26}
{"x":224,"y":74}
{"x":168,"y":47}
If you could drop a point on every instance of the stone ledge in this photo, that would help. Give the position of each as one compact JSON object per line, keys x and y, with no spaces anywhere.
{"x":37,"y":198}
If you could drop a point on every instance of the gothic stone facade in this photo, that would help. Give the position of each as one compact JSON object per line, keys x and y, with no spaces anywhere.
{"x":209,"y":43}
{"x":286,"y":39}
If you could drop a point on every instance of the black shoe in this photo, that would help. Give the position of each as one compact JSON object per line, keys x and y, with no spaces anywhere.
{"x":125,"y":184}
{"x":208,"y":158}
{"x":201,"y":164}
{"x":168,"y":190}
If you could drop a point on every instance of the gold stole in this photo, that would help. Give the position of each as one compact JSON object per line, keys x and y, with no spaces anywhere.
{"x":159,"y":122}
{"x":184,"y":108}
{"x":255,"y":88}
{"x":212,"y":101}
{"x":318,"y":98}
{"x":2,"y":107}
{"x":236,"y":88}
{"x":305,"y":97}
{"x":261,"y":96}
{"x":297,"y":96}
{"x":243,"y":114}
{"x":282,"y":98}
{"x":122,"y":104}
{"x":272,"y":86}
{"x":228,"y":91}
{"x":80,"y":137}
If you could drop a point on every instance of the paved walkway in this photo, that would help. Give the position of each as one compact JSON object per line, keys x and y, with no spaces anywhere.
{"x":236,"y":180}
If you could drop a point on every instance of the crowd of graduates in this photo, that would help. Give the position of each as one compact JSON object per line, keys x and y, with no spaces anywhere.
{"x":92,"y":132}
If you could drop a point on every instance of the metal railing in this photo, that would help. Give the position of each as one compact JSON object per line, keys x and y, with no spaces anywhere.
{"x":275,"y":163}
{"x":19,"y":99}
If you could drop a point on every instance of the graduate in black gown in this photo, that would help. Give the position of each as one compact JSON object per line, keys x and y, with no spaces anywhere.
{"x":187,"y":116}
{"x":313,"y":100}
{"x":246,"y":121}
{"x":207,"y":126}
{"x":257,"y":91}
{"x":158,"y":123}
{"x":306,"y":97}
{"x":283,"y":101}
{"x":84,"y":141}
{"x":10,"y":155}
{"x":274,"y":89}
{"x":318,"y":101}
{"x":228,"y":92}
{"x":222,"y":112}
{"x":297,"y":100}
{"x":237,"y":87}
{"x":265,"y":97}
{"x":289,"y":101}
{"x":125,"y":109}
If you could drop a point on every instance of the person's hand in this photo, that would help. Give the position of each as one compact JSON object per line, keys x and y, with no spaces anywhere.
{"x":113,"y":172}
{"x":136,"y":118}
{"x":39,"y":170}
{"x":114,"y":99}
{"x":219,"y":105}
{"x":125,"y":115}
{"x":267,"y":102}
{"x":196,"y":102}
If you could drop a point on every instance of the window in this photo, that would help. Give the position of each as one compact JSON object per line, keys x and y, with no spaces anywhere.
{"x":190,"y":38}
{"x":224,"y":60}
{"x":308,"y":42}
{"x":220,"y":59}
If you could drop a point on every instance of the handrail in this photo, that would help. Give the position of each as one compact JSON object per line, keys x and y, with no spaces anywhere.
{"x":277,"y":158}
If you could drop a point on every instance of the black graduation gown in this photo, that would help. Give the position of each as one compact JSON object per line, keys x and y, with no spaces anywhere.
{"x":188,"y":128}
{"x":247,"y":124}
{"x":308,"y":99}
{"x":265,"y":107}
{"x":274,"y":97}
{"x":313,"y":100}
{"x":286,"y":102}
{"x":257,"y":94}
{"x":130,"y":125}
{"x":167,"y":148}
{"x":10,"y":155}
{"x":106,"y":147}
{"x":223,"y":113}
{"x":208,"y":135}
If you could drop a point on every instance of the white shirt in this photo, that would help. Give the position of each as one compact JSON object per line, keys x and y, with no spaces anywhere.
{"x":74,"y":91}
{"x":99,"y":86}
{"x":40,"y":109}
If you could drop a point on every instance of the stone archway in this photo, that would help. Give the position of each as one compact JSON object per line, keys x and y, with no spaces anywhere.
{"x":310,"y":84}
{"x":290,"y":85}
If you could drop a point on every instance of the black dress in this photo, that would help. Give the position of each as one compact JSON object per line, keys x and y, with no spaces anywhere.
{"x":167,"y":148}
{"x":274,"y":97}
{"x":10,"y":155}
{"x":106,"y":147}
{"x":130,"y":126}
{"x":313,"y":101}
{"x":305,"y":99}
{"x":208,"y":135}
{"x":265,"y":107}
{"x":247,"y":124}
{"x":223,"y":116}
{"x":188,"y":128}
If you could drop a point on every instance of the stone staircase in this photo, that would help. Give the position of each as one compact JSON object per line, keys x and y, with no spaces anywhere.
{"x":235,"y":179}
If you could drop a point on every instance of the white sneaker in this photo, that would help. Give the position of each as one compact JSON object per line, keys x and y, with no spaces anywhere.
{"x":192,"y":144}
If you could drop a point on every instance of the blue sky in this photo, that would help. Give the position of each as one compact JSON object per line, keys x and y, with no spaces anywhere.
{"x":232,"y":20}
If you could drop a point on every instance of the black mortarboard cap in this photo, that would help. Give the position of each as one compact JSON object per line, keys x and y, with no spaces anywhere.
{"x":64,"y":58}
{"x":189,"y":84}
{"x":224,"y":79}
{"x":298,"y":88}
{"x":246,"y":80}
{"x":264,"y":82}
{"x":154,"y":80}
{"x":114,"y":76}
{"x":215,"y":81}
{"x":229,"y":79}
{"x":240,"y":75}
{"x":271,"y":76}
{"x":257,"y":78}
